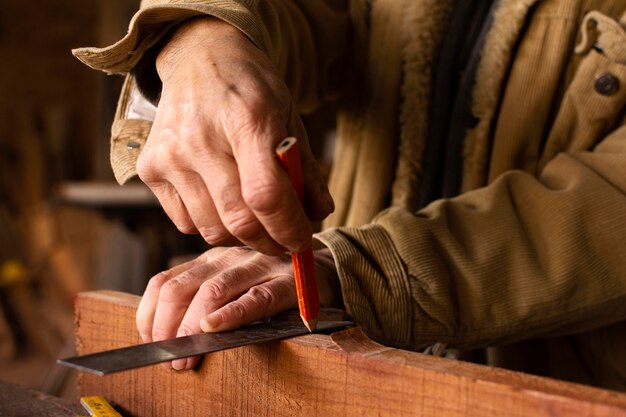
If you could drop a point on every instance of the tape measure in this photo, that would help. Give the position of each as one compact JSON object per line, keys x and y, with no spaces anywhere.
{"x":97,"y":406}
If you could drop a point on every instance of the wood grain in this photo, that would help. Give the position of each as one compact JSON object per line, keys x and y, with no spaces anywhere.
{"x":346,"y":374}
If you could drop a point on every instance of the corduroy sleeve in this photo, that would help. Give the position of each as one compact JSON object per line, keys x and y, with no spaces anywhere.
{"x":522,"y":257}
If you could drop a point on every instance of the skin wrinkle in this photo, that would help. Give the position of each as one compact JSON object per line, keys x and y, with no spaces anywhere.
{"x":261,"y":297}
{"x":210,"y":291}
{"x":217,"y":235}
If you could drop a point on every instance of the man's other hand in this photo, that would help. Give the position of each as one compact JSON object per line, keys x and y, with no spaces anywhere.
{"x":223,"y":289}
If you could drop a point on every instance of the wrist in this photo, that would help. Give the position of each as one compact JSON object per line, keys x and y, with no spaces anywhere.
{"x":191,"y":39}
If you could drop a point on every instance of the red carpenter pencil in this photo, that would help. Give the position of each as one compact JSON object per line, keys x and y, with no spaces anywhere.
{"x":303,"y":264}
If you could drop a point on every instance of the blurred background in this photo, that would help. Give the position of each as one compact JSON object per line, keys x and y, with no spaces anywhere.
{"x":65,"y":225}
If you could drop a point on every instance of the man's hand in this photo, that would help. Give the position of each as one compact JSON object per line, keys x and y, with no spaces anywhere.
{"x":222,"y":289}
{"x":210,"y":156}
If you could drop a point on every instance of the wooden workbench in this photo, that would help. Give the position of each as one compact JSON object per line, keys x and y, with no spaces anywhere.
{"x":344,"y":374}
{"x":17,"y":401}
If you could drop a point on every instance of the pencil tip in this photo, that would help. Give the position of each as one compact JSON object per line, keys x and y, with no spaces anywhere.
{"x":310,"y":324}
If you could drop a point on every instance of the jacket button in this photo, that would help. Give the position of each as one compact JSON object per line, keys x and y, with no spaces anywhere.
{"x":133,"y":145}
{"x":606,"y":84}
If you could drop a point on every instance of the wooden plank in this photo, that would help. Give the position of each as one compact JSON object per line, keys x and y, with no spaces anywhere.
{"x":16,"y":401}
{"x":345,"y":374}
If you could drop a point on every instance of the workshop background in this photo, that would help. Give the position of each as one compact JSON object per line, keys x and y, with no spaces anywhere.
{"x":65,"y":225}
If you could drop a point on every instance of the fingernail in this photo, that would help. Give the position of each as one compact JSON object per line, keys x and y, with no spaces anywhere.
{"x":204,"y":326}
{"x":179,"y":364}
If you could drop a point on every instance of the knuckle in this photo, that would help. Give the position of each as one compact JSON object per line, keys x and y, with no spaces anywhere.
{"x":237,"y":217}
{"x":191,"y":130}
{"x":187,"y":228}
{"x":229,"y":198}
{"x":173,"y":289}
{"x":239,"y":251}
{"x":262,"y":196}
{"x":226,"y":257}
{"x":213,"y":290}
{"x":233,"y":276}
{"x":237,"y":310}
{"x":185,"y":330}
{"x":243,"y":225}
{"x":157,"y":281}
{"x":215,"y":235}
{"x":262,"y":297}
{"x":197,"y":140}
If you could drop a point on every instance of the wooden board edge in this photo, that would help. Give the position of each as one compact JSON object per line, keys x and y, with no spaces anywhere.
{"x":360,"y":351}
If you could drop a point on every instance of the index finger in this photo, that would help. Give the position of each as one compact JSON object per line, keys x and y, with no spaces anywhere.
{"x":148,"y":303}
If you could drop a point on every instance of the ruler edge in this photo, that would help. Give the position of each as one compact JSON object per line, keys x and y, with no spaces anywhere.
{"x":335,"y":325}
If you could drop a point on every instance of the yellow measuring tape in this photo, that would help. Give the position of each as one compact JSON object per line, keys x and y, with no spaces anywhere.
{"x":98,"y":407}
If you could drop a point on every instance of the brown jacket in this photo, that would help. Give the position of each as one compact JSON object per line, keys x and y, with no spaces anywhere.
{"x":534,"y":248}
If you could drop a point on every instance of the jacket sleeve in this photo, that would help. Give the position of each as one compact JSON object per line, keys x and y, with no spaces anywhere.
{"x":520,"y":258}
{"x":306,"y":40}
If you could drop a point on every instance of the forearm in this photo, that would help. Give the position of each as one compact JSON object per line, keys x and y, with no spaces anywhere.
{"x":305,"y":41}
{"x":305,"y":47}
{"x":520,"y":258}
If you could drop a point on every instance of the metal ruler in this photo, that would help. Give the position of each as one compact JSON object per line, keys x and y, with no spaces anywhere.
{"x":116,"y":360}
